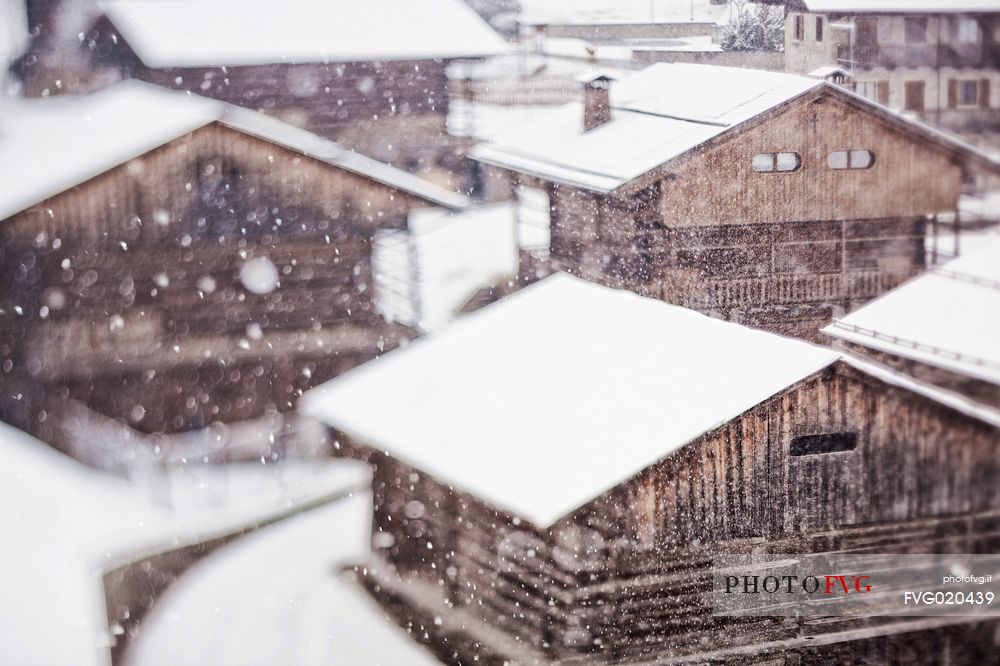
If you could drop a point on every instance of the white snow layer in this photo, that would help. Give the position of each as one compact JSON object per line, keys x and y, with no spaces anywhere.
{"x":596,"y":12}
{"x":903,"y":6}
{"x":661,"y":113}
{"x":948,"y":317}
{"x":658,"y":113}
{"x":548,"y":398}
{"x":216,"y":33}
{"x":276,"y":597}
{"x":50,"y":145}
{"x":65,"y":524}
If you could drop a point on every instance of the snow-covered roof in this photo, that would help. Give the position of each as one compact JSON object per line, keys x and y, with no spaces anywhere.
{"x":948,"y":317}
{"x":904,"y":6}
{"x":222,"y":611}
{"x":828,"y":70}
{"x":291,"y":136}
{"x":50,"y":145}
{"x":541,"y":402}
{"x":651,"y":123}
{"x":661,"y":113}
{"x":66,"y":524}
{"x":610,"y":12}
{"x":216,"y":33}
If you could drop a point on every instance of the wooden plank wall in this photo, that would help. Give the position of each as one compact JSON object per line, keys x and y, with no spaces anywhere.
{"x":628,"y":575}
{"x":119,"y":263}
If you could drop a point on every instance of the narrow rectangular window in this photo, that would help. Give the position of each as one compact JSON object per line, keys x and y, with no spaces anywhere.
{"x":968,"y":30}
{"x":913,"y":93}
{"x":819,"y":28}
{"x":800,"y":27}
{"x":868,"y":90}
{"x":833,"y":442}
{"x":968,"y":92}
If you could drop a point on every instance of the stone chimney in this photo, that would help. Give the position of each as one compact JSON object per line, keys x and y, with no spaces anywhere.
{"x":596,"y":101}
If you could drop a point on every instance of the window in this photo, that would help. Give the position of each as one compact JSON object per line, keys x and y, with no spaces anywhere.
{"x":967,"y":31}
{"x":913,"y":93}
{"x":800,"y":27}
{"x":771,"y":162}
{"x":916,"y":30}
{"x":819,"y":28}
{"x":868,"y":90}
{"x":968,"y":92}
{"x":834,"y":442}
{"x":850,"y":159}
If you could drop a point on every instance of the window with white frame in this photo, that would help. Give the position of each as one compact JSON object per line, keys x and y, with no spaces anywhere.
{"x":850,"y":159}
{"x":868,"y":90}
{"x":776,"y":162}
{"x":967,"y":30}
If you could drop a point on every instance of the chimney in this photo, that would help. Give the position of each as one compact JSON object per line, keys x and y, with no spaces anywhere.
{"x":596,"y":100}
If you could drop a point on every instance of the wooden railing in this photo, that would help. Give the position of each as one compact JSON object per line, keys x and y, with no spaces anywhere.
{"x":787,"y":289}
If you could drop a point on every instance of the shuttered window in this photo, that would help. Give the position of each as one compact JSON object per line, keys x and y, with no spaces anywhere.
{"x":913,"y":92}
{"x":968,"y":93}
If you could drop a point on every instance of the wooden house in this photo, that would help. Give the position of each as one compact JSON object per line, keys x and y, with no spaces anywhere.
{"x":940,"y":327}
{"x":768,"y":199}
{"x":171,"y":260}
{"x":554,"y":473}
{"x":369,"y":75}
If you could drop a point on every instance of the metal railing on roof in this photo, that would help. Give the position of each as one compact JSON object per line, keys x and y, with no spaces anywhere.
{"x":917,"y":346}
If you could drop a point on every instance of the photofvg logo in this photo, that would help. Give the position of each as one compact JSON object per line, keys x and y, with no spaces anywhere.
{"x":836,"y":584}
{"x":830,"y":584}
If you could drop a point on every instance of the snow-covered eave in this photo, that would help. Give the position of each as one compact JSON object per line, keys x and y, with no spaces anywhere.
{"x":867,"y":7}
{"x":631,"y":186}
{"x":56,"y":189}
{"x":153,"y":62}
{"x":312,"y":405}
{"x":335,"y":155}
{"x":600,"y":183}
{"x":943,"y":359}
{"x":942,"y":140}
{"x":532,"y":165}
{"x":955,"y":401}
{"x":617,"y":23}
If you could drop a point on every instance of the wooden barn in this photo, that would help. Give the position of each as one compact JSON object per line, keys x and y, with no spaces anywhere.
{"x":171,"y":260}
{"x":941,"y":327}
{"x":370,"y":75}
{"x":772,"y":200}
{"x":554,"y":473}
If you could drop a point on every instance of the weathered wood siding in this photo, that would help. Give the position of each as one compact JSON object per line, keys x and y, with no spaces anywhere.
{"x":786,"y":252}
{"x":392,"y":110}
{"x":110,"y":277}
{"x":716,"y":185}
{"x":627,"y":577}
{"x":914,"y":460}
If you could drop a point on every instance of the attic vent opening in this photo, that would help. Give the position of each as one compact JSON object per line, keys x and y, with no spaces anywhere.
{"x":832,"y":442}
